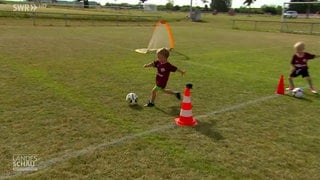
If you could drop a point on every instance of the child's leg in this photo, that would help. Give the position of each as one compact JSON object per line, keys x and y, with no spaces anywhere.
{"x":153,"y":94}
{"x":153,"y":97}
{"x":312,"y":89}
{"x":308,"y":78}
{"x":306,"y":75}
{"x":169,"y":91}
{"x":295,"y":73}
{"x":291,"y":85}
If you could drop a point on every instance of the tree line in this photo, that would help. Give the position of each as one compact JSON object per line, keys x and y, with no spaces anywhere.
{"x":225,"y":6}
{"x":220,"y":6}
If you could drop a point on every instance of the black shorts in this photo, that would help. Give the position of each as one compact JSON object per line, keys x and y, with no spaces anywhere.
{"x":298,"y":72}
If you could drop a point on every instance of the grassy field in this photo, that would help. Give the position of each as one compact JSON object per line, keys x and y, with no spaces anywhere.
{"x":63,"y":99}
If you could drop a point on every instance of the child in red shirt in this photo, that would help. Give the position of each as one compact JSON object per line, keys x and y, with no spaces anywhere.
{"x":164,"y":68}
{"x":299,"y":66}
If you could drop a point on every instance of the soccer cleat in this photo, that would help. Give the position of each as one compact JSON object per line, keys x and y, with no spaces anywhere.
{"x":149,"y":104}
{"x":290,"y":88}
{"x":313,"y":90}
{"x":178,"y":95}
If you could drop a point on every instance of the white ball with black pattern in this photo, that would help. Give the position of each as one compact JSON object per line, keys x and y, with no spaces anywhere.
{"x":298,"y":92}
{"x":132,"y":98}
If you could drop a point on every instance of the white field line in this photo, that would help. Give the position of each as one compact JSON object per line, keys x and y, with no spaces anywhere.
{"x":238,"y":106}
{"x":67,"y":156}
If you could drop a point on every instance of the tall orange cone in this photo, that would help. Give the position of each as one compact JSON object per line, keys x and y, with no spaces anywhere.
{"x":186,"y":118}
{"x":280,"y":88}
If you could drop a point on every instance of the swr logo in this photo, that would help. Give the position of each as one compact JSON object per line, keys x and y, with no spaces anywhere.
{"x":25,"y":7}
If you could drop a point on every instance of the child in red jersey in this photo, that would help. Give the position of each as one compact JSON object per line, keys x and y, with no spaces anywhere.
{"x":299,"y":65}
{"x":164,"y":68}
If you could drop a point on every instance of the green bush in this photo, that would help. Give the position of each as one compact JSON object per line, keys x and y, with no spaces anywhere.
{"x":271,"y":9}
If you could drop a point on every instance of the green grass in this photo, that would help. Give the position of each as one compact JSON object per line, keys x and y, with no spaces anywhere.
{"x":63,"y":89}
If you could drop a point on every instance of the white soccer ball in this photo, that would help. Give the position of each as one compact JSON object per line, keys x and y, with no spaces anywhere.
{"x":298,"y":92}
{"x":132,"y":98}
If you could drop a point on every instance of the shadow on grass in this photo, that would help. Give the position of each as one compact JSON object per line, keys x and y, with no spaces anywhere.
{"x":207,"y":129}
{"x":303,"y":98}
{"x":136,"y":107}
{"x":174,"y":111}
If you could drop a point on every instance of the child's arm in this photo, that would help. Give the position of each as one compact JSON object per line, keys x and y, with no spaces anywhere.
{"x":149,"y":65}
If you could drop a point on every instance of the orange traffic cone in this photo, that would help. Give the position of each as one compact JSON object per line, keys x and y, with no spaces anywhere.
{"x":186,"y":118}
{"x":280,"y":88}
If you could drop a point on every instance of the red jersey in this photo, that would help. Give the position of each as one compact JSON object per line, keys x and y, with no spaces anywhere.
{"x":163,"y":73}
{"x":301,"y":62}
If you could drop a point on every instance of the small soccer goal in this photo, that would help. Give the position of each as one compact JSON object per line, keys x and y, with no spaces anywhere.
{"x":304,"y":23}
{"x":150,"y":7}
{"x":161,"y":38}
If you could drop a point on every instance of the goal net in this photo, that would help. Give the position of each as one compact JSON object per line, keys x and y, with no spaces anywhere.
{"x":161,"y":38}
{"x":150,"y":7}
{"x":306,"y":21}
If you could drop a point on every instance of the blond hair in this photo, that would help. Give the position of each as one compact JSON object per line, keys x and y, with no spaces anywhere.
{"x":299,"y":46}
{"x":165,"y":52}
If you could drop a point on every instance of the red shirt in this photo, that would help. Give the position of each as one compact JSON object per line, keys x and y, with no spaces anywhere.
{"x":301,"y":62}
{"x":163,"y":73}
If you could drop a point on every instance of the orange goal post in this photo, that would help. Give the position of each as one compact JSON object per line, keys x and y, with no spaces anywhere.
{"x":161,"y":38}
